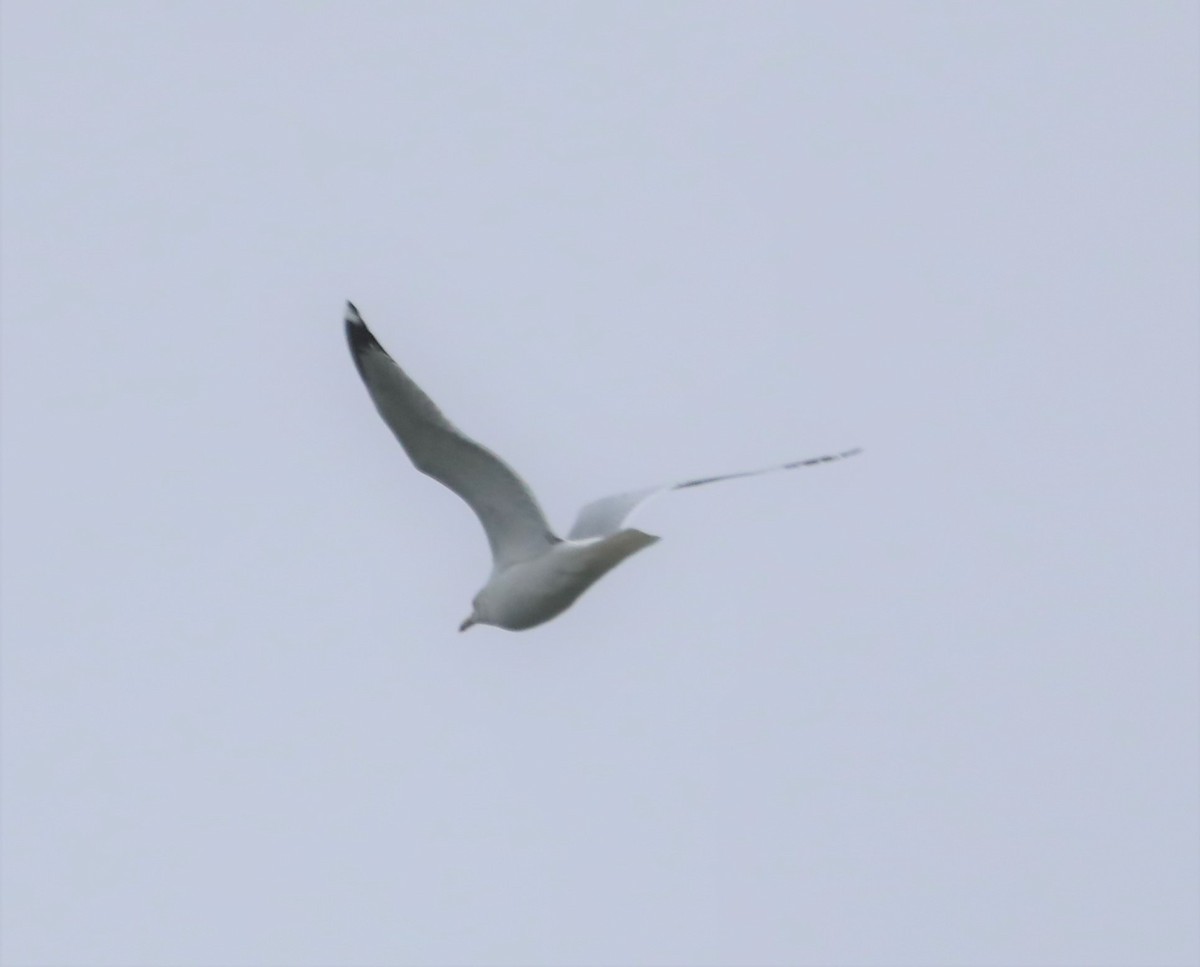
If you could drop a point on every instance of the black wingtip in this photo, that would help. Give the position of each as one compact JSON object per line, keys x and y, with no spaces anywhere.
{"x":827,"y":458}
{"x":359,"y":337}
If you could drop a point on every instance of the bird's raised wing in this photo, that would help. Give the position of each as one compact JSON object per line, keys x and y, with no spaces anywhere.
{"x":515,"y":525}
{"x":606,"y":515}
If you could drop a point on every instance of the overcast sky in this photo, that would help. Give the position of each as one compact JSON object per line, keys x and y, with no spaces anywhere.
{"x":937,"y":705}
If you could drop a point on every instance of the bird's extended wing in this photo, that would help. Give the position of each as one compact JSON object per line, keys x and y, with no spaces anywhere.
{"x":606,"y":515}
{"x":515,"y":525}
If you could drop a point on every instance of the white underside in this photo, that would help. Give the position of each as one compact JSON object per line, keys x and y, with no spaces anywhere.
{"x":530,"y":592}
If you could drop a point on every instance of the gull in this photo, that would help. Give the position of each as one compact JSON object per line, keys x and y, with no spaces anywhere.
{"x":536,"y":575}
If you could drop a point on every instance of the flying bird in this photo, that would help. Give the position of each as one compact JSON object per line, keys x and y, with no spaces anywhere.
{"x":536,"y":575}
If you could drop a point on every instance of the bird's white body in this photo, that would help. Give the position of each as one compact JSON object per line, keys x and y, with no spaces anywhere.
{"x":535,"y":574}
{"x":527,"y":593}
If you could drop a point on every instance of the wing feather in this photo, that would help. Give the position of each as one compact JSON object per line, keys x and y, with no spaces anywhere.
{"x":515,"y":526}
{"x":606,"y":515}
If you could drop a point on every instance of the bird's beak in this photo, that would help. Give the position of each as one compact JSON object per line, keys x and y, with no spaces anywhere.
{"x":467,"y":624}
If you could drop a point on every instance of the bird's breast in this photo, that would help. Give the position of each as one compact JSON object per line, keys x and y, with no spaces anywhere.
{"x":530,"y":592}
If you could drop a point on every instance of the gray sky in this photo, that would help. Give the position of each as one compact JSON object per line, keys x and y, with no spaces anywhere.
{"x":933,"y":706}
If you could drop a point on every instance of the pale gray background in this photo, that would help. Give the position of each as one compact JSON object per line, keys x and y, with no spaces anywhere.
{"x":934,"y":706}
